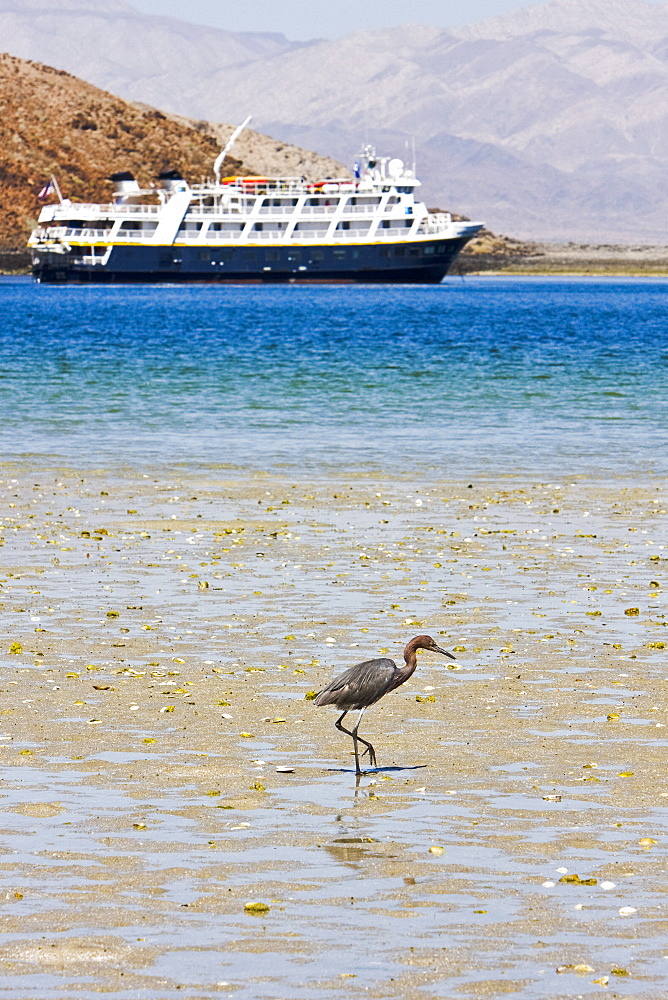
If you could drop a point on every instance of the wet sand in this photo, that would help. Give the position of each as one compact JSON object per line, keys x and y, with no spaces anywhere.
{"x":161,"y":633}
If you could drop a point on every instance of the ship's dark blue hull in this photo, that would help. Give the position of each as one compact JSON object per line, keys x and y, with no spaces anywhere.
{"x":417,"y":262}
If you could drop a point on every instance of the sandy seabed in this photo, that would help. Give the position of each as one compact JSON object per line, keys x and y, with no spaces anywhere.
{"x":162,"y":631}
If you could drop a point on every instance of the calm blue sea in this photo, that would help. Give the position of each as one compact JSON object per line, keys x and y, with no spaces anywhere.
{"x":472,"y":376}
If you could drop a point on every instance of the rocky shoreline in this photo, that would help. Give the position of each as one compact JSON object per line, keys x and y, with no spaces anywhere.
{"x":491,"y":254}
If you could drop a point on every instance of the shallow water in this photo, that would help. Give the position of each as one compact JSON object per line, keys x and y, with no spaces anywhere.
{"x":132,"y":837}
{"x":212,"y":500}
{"x":475,"y":375}
{"x":339,"y":869}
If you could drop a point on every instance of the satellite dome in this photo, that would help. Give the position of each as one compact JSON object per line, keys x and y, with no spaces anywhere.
{"x":395,"y":167}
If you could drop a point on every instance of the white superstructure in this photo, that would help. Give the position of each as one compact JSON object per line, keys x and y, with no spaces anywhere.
{"x":374,"y":208}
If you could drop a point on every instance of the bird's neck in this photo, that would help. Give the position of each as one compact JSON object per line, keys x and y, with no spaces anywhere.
{"x":410,"y":658}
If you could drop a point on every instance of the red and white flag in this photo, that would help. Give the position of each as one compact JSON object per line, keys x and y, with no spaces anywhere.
{"x":47,"y":190}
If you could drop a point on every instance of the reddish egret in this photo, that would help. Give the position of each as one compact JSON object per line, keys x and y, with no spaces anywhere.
{"x":366,"y":683}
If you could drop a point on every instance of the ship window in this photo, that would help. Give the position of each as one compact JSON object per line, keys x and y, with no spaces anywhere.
{"x":226,"y":227}
{"x":428,"y":250}
{"x":340,"y":254}
{"x":316,"y":255}
{"x":359,"y":226}
{"x":399,"y":251}
{"x":204,"y":255}
{"x":414,"y":251}
{"x":385,"y":252}
{"x":310,"y":227}
{"x":136,"y":225}
{"x":272,"y":256}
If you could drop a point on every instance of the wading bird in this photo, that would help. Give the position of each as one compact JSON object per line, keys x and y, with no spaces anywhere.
{"x":367,"y":682}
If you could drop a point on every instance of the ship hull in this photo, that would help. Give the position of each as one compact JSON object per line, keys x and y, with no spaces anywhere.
{"x":406,"y":262}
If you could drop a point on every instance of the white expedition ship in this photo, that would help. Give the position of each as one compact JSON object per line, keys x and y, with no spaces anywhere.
{"x":368,"y":228}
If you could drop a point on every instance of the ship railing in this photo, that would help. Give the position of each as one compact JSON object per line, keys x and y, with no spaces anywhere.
{"x":261,"y":185}
{"x":282,"y":185}
{"x":309,"y":234}
{"x":391,"y":233}
{"x":134,"y":235}
{"x":267,"y":234}
{"x":88,"y":259}
{"x":53,"y":232}
{"x":194,"y":236}
{"x":63,"y":233}
{"x":106,"y":211}
{"x":87,"y":234}
{"x":278,"y":210}
{"x":217,"y":234}
{"x":335,"y":186}
{"x":366,"y":210}
{"x":363,"y":209}
{"x":228,"y":213}
{"x":436,"y":223}
{"x":135,"y":209}
{"x":220,"y":209}
{"x":351,"y":234}
{"x":319,"y":209}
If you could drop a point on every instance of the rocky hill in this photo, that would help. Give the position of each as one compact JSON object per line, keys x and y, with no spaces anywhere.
{"x":51,"y":122}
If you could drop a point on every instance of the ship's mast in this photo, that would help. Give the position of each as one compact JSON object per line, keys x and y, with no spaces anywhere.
{"x":228,"y":146}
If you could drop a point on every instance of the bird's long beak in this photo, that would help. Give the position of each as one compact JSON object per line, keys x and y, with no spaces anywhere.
{"x":437,"y":649}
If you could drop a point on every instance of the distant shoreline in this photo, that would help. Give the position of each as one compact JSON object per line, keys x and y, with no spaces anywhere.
{"x":490,"y":254}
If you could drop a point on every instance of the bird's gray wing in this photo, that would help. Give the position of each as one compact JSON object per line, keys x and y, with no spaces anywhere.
{"x":360,"y":685}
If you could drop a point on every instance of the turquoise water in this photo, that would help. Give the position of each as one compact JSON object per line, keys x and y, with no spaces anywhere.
{"x":481,"y":375}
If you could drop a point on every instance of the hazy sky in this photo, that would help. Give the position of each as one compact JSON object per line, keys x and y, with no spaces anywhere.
{"x":299,"y":19}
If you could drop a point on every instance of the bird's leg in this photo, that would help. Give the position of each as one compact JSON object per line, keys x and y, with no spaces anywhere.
{"x":339,"y":726}
{"x":349,"y":733}
{"x":369,"y":748}
{"x":357,"y":739}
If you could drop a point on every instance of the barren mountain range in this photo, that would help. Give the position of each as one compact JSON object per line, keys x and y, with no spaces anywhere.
{"x":549,"y":122}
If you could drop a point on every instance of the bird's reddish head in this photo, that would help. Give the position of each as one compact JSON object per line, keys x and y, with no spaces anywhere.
{"x":424,"y":642}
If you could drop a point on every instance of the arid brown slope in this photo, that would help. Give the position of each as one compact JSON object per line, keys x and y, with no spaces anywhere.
{"x":51,"y":122}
